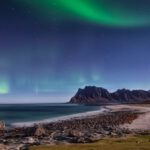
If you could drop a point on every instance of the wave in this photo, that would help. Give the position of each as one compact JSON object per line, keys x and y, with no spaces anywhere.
{"x":62,"y":118}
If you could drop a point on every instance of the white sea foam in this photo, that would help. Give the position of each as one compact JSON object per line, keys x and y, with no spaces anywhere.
{"x":57,"y":119}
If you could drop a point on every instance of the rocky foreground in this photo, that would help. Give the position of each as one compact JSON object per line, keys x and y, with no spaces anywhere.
{"x":76,"y":130}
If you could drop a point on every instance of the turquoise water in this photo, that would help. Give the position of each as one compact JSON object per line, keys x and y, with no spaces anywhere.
{"x":18,"y":113}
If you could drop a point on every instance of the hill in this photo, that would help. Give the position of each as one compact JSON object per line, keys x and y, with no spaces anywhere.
{"x":92,"y":95}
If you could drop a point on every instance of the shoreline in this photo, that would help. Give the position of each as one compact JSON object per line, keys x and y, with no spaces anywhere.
{"x":62,"y":118}
{"x":137,"y":124}
{"x":110,"y":121}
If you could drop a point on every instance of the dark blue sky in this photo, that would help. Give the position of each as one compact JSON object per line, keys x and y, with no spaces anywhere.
{"x":46,"y":52}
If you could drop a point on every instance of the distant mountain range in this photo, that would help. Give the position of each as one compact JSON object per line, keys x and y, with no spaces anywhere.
{"x":92,"y":95}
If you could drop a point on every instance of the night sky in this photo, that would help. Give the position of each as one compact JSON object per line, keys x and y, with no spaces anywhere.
{"x":57,"y":46}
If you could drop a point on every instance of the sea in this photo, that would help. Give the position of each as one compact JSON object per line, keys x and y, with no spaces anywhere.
{"x":15,"y":114}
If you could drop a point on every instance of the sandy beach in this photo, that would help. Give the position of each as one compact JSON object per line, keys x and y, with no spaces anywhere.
{"x":143,"y":120}
{"x":141,"y":123}
{"x":108,"y":121}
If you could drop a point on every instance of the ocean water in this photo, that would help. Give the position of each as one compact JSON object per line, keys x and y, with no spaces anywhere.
{"x":20,"y":113}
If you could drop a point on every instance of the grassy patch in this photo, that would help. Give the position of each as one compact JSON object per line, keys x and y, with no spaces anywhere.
{"x":131,"y":143}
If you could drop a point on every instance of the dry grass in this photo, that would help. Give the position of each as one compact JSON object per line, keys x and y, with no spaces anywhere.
{"x":130,"y":143}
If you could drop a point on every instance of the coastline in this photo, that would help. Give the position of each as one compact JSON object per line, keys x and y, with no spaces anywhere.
{"x":62,"y":118}
{"x":137,"y":124}
{"x":110,"y":121}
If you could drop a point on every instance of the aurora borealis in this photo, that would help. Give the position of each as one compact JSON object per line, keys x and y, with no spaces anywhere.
{"x":108,"y":12}
{"x":56,"y":46}
{"x":129,"y":13}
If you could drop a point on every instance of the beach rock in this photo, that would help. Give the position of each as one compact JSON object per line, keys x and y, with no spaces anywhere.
{"x":63,"y":138}
{"x":75,"y":133}
{"x":40,"y":131}
{"x":2,"y":125}
{"x":55,"y":134}
{"x":22,"y":147}
{"x":3,"y":147}
{"x":29,"y":140}
{"x":80,"y":140}
{"x":16,"y":147}
{"x":94,"y":137}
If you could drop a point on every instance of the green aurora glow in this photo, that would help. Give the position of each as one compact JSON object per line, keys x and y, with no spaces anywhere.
{"x":4,"y":86}
{"x":102,"y":12}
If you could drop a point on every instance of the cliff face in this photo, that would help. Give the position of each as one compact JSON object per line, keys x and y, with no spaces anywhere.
{"x":91,"y":95}
{"x":97,"y":95}
{"x":134,"y":96}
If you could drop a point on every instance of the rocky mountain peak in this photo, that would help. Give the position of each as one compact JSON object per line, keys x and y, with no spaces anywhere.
{"x":98,"y":95}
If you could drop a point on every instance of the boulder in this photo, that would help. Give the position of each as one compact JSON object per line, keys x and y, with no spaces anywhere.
{"x":94,"y":137}
{"x":2,"y":125}
{"x":3,"y":147}
{"x":75,"y":133}
{"x":40,"y":131}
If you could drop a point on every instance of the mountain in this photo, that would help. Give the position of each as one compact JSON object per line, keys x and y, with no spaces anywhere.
{"x":92,"y":95}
